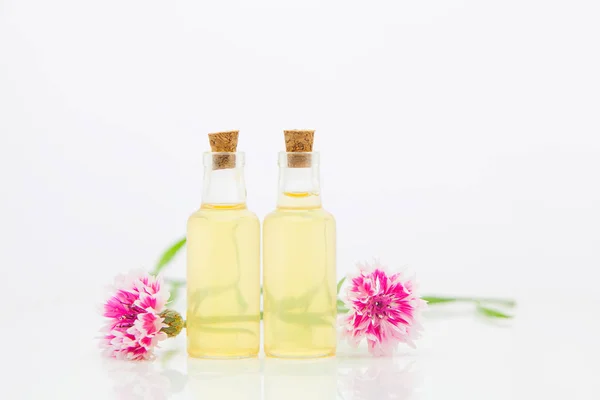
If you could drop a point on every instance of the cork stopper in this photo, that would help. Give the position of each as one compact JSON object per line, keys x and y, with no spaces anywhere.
{"x":299,"y":141}
{"x":223,"y":142}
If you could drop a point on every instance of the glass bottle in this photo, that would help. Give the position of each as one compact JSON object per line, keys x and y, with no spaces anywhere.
{"x":223,"y":265}
{"x":299,"y":246}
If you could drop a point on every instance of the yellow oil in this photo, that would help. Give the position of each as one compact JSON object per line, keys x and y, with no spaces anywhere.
{"x":223,"y":281}
{"x":299,"y":279}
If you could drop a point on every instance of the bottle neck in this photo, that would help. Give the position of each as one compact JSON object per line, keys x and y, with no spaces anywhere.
{"x":224,"y":186}
{"x":299,"y":181}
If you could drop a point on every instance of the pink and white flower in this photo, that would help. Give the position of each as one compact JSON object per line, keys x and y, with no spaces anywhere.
{"x":135,"y":324}
{"x":383,"y":308}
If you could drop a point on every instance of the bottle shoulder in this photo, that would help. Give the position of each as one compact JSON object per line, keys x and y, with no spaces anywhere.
{"x":211,"y":214}
{"x":328,"y":214}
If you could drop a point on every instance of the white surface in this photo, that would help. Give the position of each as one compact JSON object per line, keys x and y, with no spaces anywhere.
{"x":470,"y":153}
{"x":548,"y":352}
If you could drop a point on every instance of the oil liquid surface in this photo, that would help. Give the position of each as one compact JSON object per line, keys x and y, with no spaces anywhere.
{"x":223,"y":281}
{"x":299,"y":282}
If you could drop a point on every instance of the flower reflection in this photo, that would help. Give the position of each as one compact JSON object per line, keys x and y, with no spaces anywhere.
{"x":376,"y":378}
{"x":144,"y":380}
{"x":224,"y":379}
{"x":300,"y":379}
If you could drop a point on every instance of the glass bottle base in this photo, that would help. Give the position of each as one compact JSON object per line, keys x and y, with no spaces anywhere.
{"x":301,"y":354}
{"x":223,"y":356}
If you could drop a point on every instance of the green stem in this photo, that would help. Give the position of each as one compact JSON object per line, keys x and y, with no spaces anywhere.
{"x":343,"y":310}
{"x":477,"y":300}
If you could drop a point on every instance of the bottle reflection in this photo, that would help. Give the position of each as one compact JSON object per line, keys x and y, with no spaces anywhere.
{"x":349,"y":377}
{"x":300,"y":379}
{"x":380,"y":378}
{"x":224,"y":379}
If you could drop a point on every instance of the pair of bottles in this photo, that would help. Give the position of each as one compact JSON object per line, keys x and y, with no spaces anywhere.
{"x":223,"y":264}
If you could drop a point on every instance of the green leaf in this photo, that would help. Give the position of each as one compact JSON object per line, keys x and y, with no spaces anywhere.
{"x":340,"y":303}
{"x":174,"y":290}
{"x":339,"y":285}
{"x":490,"y":312}
{"x":292,"y":302}
{"x":342,"y":310}
{"x":168,"y":255}
{"x":437,"y":300}
{"x":200,"y":295}
{"x":178,"y":282}
{"x":173,"y":294}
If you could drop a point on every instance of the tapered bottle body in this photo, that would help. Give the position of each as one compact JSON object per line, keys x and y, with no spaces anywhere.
{"x":223,"y":268}
{"x":299,"y":262}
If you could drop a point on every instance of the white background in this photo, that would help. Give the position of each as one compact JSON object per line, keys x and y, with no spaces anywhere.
{"x":460,"y":138}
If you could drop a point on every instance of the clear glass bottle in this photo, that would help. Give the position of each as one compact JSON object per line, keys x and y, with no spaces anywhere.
{"x":223,"y":265}
{"x":299,"y":246}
